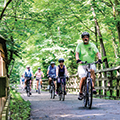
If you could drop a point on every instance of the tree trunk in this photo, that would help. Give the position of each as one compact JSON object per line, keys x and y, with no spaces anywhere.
{"x":99,"y":34}
{"x":118,"y":22}
{"x":96,"y":36}
{"x":114,"y":46}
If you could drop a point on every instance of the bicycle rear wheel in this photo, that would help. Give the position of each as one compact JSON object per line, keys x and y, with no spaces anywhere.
{"x":39,"y":89}
{"x":50,"y":90}
{"x":90,"y":93}
{"x":84,"y":95}
{"x":28,"y":91}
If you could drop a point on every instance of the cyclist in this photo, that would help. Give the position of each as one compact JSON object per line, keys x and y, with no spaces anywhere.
{"x":39,"y":74}
{"x":22,"y":82}
{"x":86,"y":51}
{"x":51,"y":73}
{"x":61,"y":72}
{"x":28,"y":74}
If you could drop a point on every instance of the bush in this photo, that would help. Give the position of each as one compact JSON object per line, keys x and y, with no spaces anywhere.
{"x":19,"y":108}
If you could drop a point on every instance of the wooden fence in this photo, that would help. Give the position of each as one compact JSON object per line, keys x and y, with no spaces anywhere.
{"x":107,"y":83}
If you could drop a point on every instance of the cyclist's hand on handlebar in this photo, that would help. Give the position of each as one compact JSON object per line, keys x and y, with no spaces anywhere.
{"x":79,"y":61}
{"x":56,"y":77}
{"x":100,"y":61}
{"x":67,"y":77}
{"x":47,"y":75}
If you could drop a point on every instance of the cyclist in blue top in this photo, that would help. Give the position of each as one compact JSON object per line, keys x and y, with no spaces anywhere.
{"x":28,"y":74}
{"x":51,"y":73}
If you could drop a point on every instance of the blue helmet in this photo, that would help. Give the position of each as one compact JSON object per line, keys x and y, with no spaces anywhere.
{"x":61,"y":60}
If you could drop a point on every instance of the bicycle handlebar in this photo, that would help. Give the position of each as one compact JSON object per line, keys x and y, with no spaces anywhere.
{"x":85,"y":62}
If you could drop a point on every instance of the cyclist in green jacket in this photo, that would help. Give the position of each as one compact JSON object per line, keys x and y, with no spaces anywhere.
{"x":86,"y":51}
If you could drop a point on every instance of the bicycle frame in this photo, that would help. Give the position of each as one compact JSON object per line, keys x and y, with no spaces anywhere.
{"x":28,"y":86}
{"x":61,"y":89}
{"x":88,"y":83}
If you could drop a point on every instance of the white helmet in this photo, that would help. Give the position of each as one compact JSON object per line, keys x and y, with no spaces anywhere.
{"x":27,"y":66}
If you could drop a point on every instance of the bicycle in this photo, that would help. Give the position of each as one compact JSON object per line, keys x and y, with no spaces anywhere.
{"x":52,"y":88}
{"x":39,"y":87}
{"x":87,"y":86}
{"x":61,"y":89}
{"x":28,"y":86}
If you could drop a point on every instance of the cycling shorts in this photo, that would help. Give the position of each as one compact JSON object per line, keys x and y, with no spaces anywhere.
{"x":64,"y":81}
{"x":82,"y":70}
{"x":38,"y":79}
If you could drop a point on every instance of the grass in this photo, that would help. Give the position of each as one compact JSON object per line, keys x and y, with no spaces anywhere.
{"x":19,"y":108}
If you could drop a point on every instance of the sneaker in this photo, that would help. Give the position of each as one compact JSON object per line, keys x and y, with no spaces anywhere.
{"x":80,"y":97}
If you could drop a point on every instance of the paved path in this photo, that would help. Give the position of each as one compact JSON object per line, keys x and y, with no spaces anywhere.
{"x":44,"y":108}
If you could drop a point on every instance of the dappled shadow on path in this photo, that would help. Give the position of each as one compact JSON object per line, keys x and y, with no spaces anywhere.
{"x":44,"y":108}
{"x":93,"y":108}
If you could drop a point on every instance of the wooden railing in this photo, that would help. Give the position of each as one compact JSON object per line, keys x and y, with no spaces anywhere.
{"x":107,"y":83}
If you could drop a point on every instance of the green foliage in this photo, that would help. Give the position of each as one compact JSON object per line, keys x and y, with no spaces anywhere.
{"x":19,"y":108}
{"x":39,"y":31}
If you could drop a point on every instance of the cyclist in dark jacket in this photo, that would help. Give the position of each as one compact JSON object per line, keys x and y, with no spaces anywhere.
{"x":61,"y":72}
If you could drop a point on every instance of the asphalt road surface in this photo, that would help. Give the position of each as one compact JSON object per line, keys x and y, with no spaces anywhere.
{"x":44,"y":108}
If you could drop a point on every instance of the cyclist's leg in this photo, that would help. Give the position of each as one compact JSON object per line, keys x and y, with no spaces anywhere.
{"x":30,"y":84}
{"x":93,"y":69}
{"x":37,"y":84}
{"x":81,"y":83}
{"x":25,"y":83}
{"x":93,"y":77}
{"x":58,"y":84}
{"x":50,"y":79}
{"x":82,"y":74}
{"x":41,"y":82}
{"x":55,"y":84}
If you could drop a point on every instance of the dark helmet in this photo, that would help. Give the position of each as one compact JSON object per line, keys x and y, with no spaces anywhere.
{"x":39,"y":68}
{"x":61,"y":60}
{"x":85,"y":33}
{"x":52,"y":63}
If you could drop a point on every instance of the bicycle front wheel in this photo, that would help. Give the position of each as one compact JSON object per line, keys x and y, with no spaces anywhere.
{"x":63,"y":93}
{"x":84,"y":95}
{"x":90,"y":94}
{"x":39,"y":89}
{"x":53,"y":93}
{"x":60,"y":92}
